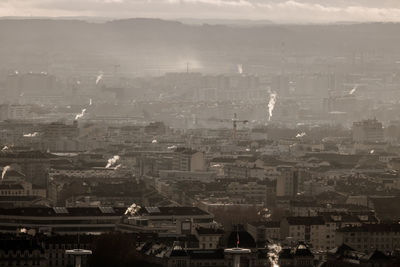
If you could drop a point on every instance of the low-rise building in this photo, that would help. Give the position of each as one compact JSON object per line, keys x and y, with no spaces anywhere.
{"x":60,"y":219}
{"x":344,"y":255}
{"x":311,"y":230}
{"x":166,"y":220}
{"x":369,"y":237}
{"x":209,"y":238}
{"x":300,"y":255}
{"x":264,"y":231}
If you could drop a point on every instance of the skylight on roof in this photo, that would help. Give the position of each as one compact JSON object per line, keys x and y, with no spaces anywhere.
{"x":152,"y":209}
{"x":106,"y":209}
{"x":60,"y":210}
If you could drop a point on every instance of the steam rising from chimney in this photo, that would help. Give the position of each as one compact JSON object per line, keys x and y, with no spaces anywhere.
{"x":31,"y":134}
{"x":80,"y":115}
{"x":99,"y":78}
{"x":300,"y":135}
{"x":118,"y":166}
{"x":240,"y":68}
{"x":271,"y":104}
{"x":132,"y":209}
{"x":112,"y":161}
{"x":5,"y":169}
{"x":273,"y":254}
{"x":90,"y":102}
{"x":352,"y":91}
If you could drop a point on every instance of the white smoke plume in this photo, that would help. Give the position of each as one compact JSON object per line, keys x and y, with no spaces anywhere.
{"x":154,"y":141}
{"x":4,"y":148}
{"x":112,"y":161}
{"x":240,"y":68}
{"x":90,"y":102}
{"x":99,"y":78}
{"x":132,"y":209}
{"x":271,"y":104}
{"x":172,"y":147}
{"x":80,"y":115}
{"x":273,"y":254}
{"x":118,"y":166}
{"x":300,"y":135}
{"x":5,"y":169}
{"x":31,"y":134}
{"x":352,"y":91}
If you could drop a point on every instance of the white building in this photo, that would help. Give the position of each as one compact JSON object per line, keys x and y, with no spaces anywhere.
{"x":166,"y":220}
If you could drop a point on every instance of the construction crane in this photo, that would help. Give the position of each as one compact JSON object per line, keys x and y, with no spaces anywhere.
{"x":234,"y":121}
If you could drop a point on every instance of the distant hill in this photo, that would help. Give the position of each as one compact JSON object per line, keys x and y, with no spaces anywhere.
{"x":154,"y":43}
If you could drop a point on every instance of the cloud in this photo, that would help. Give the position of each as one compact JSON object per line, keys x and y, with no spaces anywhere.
{"x":276,"y":10}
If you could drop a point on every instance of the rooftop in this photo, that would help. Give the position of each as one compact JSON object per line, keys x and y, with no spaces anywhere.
{"x":62,"y":211}
{"x":369,"y":228}
{"x":171,"y":211}
{"x":315,"y":220}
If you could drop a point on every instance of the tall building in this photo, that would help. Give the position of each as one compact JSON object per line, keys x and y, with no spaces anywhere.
{"x":290,"y":181}
{"x":367,"y":131}
{"x":186,"y":159}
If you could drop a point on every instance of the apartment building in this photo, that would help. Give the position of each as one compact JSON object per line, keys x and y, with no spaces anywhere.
{"x":370,"y":237}
{"x":311,"y":230}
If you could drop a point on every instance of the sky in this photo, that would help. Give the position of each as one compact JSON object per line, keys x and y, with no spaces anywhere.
{"x":292,"y":11}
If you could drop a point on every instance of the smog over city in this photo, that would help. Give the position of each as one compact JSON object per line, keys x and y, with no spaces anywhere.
{"x":213,"y":133}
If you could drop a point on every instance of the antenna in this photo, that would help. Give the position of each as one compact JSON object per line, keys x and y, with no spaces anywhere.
{"x":237,"y":236}
{"x":79,"y":243}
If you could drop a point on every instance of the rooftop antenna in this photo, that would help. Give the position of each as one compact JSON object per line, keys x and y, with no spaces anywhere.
{"x":237,"y":234}
{"x":78,"y":253}
{"x":237,"y":252}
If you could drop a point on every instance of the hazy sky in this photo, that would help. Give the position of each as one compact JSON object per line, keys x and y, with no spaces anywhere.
{"x":275,"y":10}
